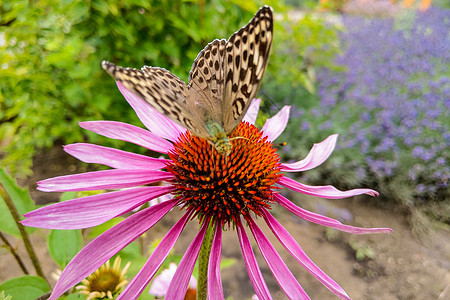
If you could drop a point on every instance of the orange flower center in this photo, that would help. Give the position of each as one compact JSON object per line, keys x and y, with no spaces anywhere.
{"x":226,"y":187}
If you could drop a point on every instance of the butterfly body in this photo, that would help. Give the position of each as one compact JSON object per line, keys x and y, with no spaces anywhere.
{"x":219,"y":139}
{"x":224,"y":78}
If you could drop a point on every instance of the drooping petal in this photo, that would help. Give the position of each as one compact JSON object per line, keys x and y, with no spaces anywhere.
{"x":140,"y":281}
{"x":252,"y":112}
{"x":100,"y":180}
{"x":155,"y":121}
{"x":113,"y":158}
{"x":215,"y":290}
{"x":325,"y":221}
{"x":276,"y":125}
{"x":92,"y":210}
{"x":128,"y":133}
{"x":180,"y":282}
{"x":326,"y":191}
{"x":307,"y":215}
{"x":281,"y":272}
{"x":297,"y":252}
{"x":259,"y":285}
{"x":316,"y":156}
{"x":96,"y":253}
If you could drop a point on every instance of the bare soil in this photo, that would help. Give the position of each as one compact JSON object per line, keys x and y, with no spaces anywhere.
{"x":402,"y":267}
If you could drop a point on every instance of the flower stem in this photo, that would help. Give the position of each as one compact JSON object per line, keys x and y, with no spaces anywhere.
{"x":14,"y":253}
{"x":203,"y":261}
{"x":25,"y":238}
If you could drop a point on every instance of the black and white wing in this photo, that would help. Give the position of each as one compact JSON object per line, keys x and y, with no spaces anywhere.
{"x":246,"y":55}
{"x":162,"y":90}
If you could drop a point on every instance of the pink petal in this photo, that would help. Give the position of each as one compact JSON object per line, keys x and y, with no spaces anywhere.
{"x":297,"y":252}
{"x":307,"y":215}
{"x":276,"y":125}
{"x":281,"y":272}
{"x":92,"y":210}
{"x":128,"y":133}
{"x":318,"y":154}
{"x":101,"y":180}
{"x":140,"y":281}
{"x":151,"y":118}
{"x":215,"y":290}
{"x":180,"y":282}
{"x":252,"y":112}
{"x":325,"y":221}
{"x":259,"y":285}
{"x":114,"y":158}
{"x":96,"y":253}
{"x":327,"y":191}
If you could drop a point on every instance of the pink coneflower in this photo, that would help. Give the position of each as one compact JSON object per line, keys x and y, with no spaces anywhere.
{"x":220,"y":191}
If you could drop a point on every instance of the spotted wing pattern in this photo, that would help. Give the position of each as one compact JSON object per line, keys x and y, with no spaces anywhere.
{"x":224,"y":79}
{"x":247,"y":53}
{"x":161,"y":89}
{"x":206,"y":82}
{"x":226,"y":75}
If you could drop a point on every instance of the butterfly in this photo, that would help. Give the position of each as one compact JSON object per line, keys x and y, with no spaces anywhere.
{"x":224,"y":78}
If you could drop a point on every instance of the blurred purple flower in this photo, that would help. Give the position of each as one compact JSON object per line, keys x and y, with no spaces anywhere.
{"x":395,"y":87}
{"x":305,"y":126}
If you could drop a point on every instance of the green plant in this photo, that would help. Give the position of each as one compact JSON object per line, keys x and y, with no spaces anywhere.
{"x":50,"y":74}
{"x":63,"y":245}
{"x":362,"y":252}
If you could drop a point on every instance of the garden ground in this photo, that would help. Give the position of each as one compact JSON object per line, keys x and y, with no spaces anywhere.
{"x":403,"y":266}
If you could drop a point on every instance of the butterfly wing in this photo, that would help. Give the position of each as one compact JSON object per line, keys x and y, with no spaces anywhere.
{"x":161,"y":89}
{"x":246,"y":55}
{"x":226,"y":75}
{"x":206,"y":83}
{"x":224,"y":79}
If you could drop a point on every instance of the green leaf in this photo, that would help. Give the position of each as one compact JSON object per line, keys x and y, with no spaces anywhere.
{"x":7,"y":223}
{"x":74,"y":296}
{"x":25,"y":287}
{"x":67,"y":196}
{"x":226,"y":263}
{"x":21,"y":199}
{"x":3,"y":296}
{"x":132,"y":253}
{"x":64,"y":244}
{"x":78,"y":11}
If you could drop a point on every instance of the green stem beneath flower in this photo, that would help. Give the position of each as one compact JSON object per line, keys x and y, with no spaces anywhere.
{"x":14,"y":253}
{"x":25,"y":238}
{"x":203,"y":261}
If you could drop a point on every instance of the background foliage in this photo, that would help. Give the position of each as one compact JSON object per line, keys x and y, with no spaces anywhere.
{"x":50,"y":74}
